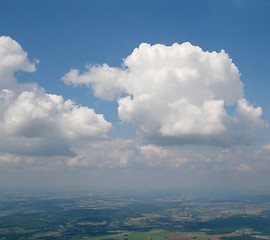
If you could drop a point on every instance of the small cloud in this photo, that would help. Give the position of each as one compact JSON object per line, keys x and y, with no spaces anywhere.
{"x":266,"y":147}
{"x":243,"y":168}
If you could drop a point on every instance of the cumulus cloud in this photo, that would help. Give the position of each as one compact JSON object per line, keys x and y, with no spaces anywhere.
{"x":38,"y":114}
{"x":248,"y":119}
{"x":108,"y":154}
{"x":108,"y":88}
{"x":160,"y":157}
{"x":42,"y":123}
{"x":13,"y":58}
{"x":177,"y":94}
{"x":127,"y":154}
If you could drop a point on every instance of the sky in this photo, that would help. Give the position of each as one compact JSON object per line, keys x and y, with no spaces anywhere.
{"x":134,"y":95}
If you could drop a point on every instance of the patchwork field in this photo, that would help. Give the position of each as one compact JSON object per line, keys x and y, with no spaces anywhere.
{"x":130,"y":216}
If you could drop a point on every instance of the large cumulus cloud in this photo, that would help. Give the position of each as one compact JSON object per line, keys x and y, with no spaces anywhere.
{"x":177,"y":94}
{"x":34,"y":122}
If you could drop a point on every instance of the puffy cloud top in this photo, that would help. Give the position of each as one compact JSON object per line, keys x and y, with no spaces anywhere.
{"x":38,"y":114}
{"x":28,"y":112}
{"x":13,"y":58}
{"x":176,"y":94}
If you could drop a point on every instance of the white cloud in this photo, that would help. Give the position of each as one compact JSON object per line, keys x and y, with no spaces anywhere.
{"x":9,"y":158}
{"x":42,"y":123}
{"x":108,"y":154}
{"x":13,"y":58}
{"x":127,"y":154}
{"x":106,"y":158}
{"x":177,"y":94}
{"x":160,"y":157}
{"x":266,"y":147}
{"x":248,"y":119}
{"x":109,"y":87}
{"x":243,"y":167}
{"x":38,"y":114}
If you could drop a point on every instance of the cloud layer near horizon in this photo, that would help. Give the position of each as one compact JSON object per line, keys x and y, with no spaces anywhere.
{"x":177,"y":94}
{"x":38,"y":122}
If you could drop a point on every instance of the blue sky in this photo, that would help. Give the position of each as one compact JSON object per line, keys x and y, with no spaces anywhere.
{"x":65,"y":35}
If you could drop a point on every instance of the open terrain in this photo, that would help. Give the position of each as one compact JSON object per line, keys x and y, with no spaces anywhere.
{"x":134,"y":216}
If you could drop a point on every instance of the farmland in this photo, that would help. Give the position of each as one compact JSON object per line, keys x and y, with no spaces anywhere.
{"x":134,"y":216}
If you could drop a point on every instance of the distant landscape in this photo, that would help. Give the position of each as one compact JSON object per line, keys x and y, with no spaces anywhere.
{"x":134,"y":120}
{"x":134,"y":216}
